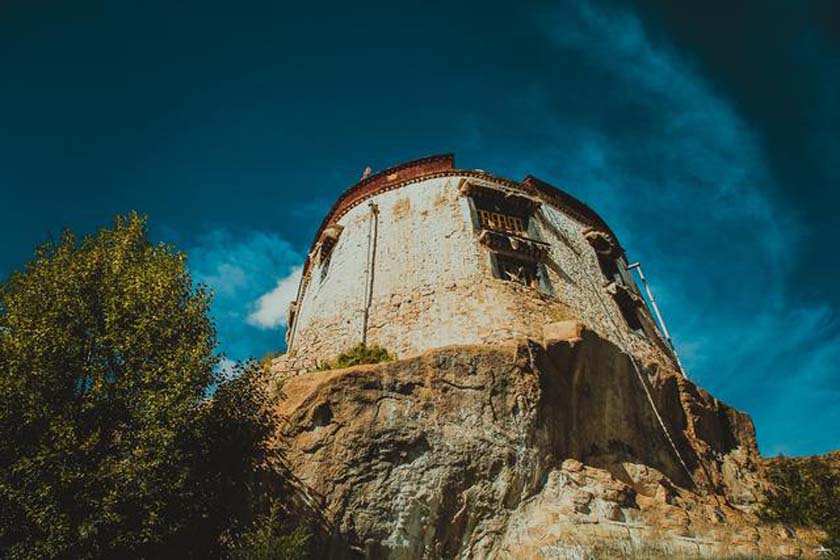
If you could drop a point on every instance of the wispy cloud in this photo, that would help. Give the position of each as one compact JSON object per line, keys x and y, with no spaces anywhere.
{"x":633,"y":127}
{"x":638,"y":132}
{"x":243,"y":269}
{"x":271,"y":308}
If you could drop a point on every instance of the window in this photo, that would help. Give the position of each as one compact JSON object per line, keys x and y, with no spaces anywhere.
{"x":609,"y":266}
{"x":325,"y":257}
{"x":619,"y":282}
{"x":325,"y":265}
{"x":497,"y":211}
{"x":327,"y":243}
{"x":501,"y":222}
{"x":502,"y":217}
{"x":517,"y":270}
{"x":631,"y":317}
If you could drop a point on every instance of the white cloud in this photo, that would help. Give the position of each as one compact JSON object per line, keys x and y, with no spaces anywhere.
{"x":239,"y":266}
{"x":271,"y":307}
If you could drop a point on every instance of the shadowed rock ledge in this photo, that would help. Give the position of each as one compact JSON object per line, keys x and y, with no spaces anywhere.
{"x":522,"y":451}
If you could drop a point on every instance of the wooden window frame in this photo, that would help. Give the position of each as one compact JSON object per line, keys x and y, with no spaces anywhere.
{"x":504,"y":222}
{"x":532,"y":280}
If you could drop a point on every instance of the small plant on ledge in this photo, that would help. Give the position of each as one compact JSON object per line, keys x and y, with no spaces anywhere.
{"x":267,"y":359}
{"x":359,"y":354}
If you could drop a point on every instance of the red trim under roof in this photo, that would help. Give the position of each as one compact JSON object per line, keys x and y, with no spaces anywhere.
{"x":443,"y":165}
{"x":368,"y":186}
{"x":567,"y":203}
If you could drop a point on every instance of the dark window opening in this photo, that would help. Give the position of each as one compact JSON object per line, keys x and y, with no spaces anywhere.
{"x":619,"y":281}
{"x":609,"y":256}
{"x":629,"y":304}
{"x":325,"y":266}
{"x":517,"y":270}
{"x":502,"y":219}
{"x":325,"y":256}
{"x":609,"y":266}
{"x":327,"y":242}
{"x":631,"y":317}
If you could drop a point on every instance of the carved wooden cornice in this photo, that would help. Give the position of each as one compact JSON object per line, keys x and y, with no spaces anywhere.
{"x":516,"y":245}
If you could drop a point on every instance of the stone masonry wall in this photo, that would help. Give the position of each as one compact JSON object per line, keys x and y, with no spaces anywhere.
{"x":433,"y":285}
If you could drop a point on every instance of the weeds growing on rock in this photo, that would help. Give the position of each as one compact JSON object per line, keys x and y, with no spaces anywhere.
{"x":360,"y":354}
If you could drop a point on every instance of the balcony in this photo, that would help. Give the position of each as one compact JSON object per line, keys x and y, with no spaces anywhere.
{"x":513,"y":244}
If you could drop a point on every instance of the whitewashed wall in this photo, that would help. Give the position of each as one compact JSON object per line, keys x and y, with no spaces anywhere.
{"x":433,"y":284}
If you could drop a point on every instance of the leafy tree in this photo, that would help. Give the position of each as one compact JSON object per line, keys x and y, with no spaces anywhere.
{"x":235,"y":461}
{"x":106,"y":357}
{"x":270,"y":539}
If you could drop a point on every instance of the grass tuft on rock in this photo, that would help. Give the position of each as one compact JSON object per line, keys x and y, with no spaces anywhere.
{"x":358,"y":355}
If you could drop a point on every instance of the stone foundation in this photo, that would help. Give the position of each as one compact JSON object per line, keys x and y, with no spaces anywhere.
{"x":523,"y":451}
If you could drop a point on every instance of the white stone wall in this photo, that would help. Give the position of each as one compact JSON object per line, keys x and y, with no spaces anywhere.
{"x":577,"y":280}
{"x":433,"y":285}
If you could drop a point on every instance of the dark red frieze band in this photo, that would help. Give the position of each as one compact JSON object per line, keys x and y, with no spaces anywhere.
{"x":443,"y":165}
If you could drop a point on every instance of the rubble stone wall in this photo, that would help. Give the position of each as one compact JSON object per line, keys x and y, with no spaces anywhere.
{"x":433,"y":285}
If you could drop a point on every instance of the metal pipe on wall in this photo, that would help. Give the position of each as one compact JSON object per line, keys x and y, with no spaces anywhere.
{"x":637,"y":266}
{"x":298,"y":301}
{"x":373,"y":232}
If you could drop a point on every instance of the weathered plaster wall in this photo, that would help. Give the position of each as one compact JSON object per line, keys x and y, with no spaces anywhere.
{"x":577,"y":281}
{"x":433,"y":285}
{"x":427,"y":268}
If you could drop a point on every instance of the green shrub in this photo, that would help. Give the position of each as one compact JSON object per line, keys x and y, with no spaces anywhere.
{"x":806,"y":493}
{"x":265,"y":361}
{"x":360,"y":354}
{"x":109,"y":445}
{"x":268,"y":539}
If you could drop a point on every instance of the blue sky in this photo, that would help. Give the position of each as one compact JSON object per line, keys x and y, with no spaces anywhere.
{"x":706,"y":134}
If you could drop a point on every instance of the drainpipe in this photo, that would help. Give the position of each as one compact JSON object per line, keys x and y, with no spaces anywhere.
{"x":297,"y":314}
{"x":373,"y":231}
{"x":638,"y":267}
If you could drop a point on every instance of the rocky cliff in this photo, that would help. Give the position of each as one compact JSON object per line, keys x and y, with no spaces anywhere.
{"x":525,"y":450}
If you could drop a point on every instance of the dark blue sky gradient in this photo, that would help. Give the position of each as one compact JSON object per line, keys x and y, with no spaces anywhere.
{"x":705,"y":133}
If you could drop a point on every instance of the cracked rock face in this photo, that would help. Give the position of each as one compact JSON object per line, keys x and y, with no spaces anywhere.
{"x":521,"y":451}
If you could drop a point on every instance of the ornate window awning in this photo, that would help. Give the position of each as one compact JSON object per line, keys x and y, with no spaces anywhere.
{"x":328,"y":239}
{"x":602,"y":242}
{"x":512,"y":199}
{"x":624,"y":296}
{"x":512,"y":244}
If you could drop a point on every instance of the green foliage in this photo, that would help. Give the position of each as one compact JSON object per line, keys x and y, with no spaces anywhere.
{"x":265,"y":361}
{"x":230,"y":457}
{"x":806,"y":494}
{"x":108,"y":444}
{"x":269,"y":539}
{"x":360,"y":354}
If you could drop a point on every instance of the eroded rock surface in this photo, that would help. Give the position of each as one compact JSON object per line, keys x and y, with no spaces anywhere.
{"x":523,"y":451}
